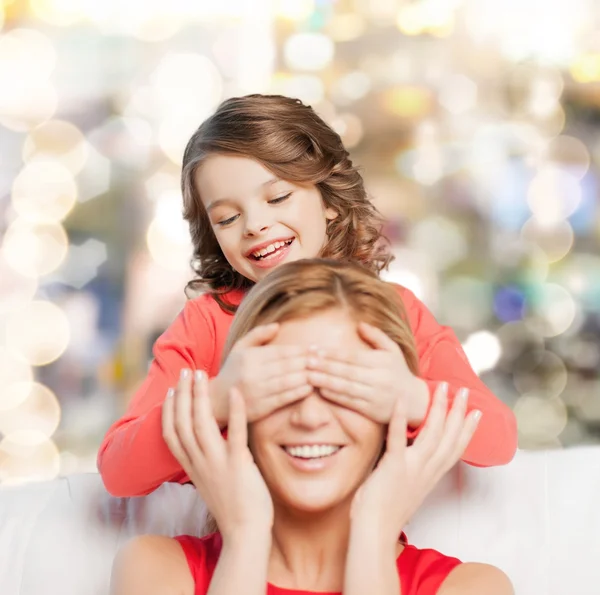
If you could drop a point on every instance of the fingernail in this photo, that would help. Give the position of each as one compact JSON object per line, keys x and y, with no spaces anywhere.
{"x":444,"y":388}
{"x":463,"y":394}
{"x":477,"y":415}
{"x":185,"y":373}
{"x":313,"y":348}
{"x":312,"y":361}
{"x":198,"y":375}
{"x":170,"y":393}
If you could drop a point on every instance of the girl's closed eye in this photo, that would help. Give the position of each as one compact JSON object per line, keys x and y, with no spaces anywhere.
{"x":227,"y":221}
{"x":279,"y":199}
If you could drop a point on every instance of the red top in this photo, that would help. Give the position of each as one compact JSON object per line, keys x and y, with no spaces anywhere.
{"x":134,"y":459}
{"x":421,"y":572}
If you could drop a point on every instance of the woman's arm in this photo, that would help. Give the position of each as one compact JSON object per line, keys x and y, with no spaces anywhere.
{"x":474,"y":579}
{"x":441,"y":358}
{"x":151,"y":565}
{"x":134,"y":459}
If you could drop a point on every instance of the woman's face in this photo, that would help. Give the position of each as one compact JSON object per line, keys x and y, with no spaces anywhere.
{"x":314,"y":454}
{"x":259,"y":220}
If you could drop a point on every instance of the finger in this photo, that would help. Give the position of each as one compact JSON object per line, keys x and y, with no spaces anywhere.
{"x":206,"y":429}
{"x":362,"y":358}
{"x":283,"y":383}
{"x":260,"y":335}
{"x":339,"y":384}
{"x":168,"y":430}
{"x":270,"y":404}
{"x":183,"y":411}
{"x":431,"y":433}
{"x":396,"y":436}
{"x":237,"y":429}
{"x":277,"y":364}
{"x":345,"y":400}
{"x":376,"y":338}
{"x":468,"y":430}
{"x":355,"y":373}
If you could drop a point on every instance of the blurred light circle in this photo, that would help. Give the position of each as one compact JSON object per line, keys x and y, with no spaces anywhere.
{"x":466,"y":301}
{"x":483,"y":350}
{"x":173,"y":135}
{"x":39,"y":332}
{"x":539,"y":418}
{"x":170,"y":251}
{"x":509,"y":304}
{"x":294,"y":10}
{"x":27,"y":59}
{"x":308,"y":88}
{"x":15,"y":378}
{"x":458,"y":94}
{"x":59,"y":140}
{"x":351,"y":87}
{"x":519,"y":344}
{"x":345,"y":26}
{"x":308,"y":51}
{"x":408,"y":101}
{"x":350,"y":128}
{"x":544,"y":375}
{"x":554,"y":194}
{"x":553,"y":311}
{"x":570,"y":153}
{"x":441,"y":239}
{"x":28,"y":456}
{"x":44,"y":191}
{"x":39,"y":411}
{"x":57,"y":12}
{"x":15,"y":289}
{"x":155,"y":25}
{"x":35,"y":249}
{"x":586,"y":68}
{"x":556,"y":239}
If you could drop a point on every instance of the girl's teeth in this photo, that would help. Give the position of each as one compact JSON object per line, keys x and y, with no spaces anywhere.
{"x":312,"y":451}
{"x":269,"y":249}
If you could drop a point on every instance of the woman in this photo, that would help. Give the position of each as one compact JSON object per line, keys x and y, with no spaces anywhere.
{"x":313,"y":497}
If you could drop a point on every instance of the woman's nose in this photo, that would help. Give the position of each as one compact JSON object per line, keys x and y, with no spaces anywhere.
{"x":311,"y":412}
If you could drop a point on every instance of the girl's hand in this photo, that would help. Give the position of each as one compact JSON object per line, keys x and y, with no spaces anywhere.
{"x":223,"y":471}
{"x":268,"y":376}
{"x":370,"y":382}
{"x":405,"y":474}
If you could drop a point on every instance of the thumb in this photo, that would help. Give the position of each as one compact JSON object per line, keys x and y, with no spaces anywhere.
{"x":260,"y":335}
{"x":376,"y":338}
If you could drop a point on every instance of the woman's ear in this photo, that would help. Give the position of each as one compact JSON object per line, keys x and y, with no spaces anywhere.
{"x":330,"y":214}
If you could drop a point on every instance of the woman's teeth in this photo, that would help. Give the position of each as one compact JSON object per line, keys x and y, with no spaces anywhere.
{"x":312,"y":451}
{"x":270,"y":249}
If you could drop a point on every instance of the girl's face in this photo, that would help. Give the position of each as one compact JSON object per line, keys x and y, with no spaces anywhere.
{"x":313,"y":454}
{"x":259,"y":220}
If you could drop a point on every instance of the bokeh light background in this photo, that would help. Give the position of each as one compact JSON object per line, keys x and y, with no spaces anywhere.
{"x":476,"y":125}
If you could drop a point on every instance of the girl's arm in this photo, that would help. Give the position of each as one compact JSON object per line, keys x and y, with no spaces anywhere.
{"x":134,"y":459}
{"x":441,"y":358}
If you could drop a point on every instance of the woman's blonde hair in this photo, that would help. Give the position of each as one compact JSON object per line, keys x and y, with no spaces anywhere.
{"x":306,"y":287}
{"x":293,"y":142}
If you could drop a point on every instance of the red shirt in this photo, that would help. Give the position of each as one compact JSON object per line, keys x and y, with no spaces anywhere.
{"x":421,"y":572}
{"x":134,"y":459}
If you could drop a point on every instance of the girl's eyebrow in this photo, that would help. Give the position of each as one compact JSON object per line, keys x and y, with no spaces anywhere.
{"x":220,"y":201}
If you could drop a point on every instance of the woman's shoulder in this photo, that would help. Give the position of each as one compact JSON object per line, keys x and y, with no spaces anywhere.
{"x":422,"y":571}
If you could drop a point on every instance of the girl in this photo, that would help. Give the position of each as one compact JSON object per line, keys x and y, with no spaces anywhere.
{"x":266,"y":181}
{"x":297,"y":503}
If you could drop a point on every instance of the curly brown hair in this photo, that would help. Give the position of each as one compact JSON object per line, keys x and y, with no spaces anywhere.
{"x":294,"y":143}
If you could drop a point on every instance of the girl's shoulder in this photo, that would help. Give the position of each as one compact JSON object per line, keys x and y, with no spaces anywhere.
{"x":207,"y":303}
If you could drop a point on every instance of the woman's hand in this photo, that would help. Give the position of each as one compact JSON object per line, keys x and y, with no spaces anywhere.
{"x":269,"y":377}
{"x":223,"y":471}
{"x":370,"y":382}
{"x":405,"y":474}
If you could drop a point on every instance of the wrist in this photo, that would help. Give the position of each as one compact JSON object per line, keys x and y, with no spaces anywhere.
{"x":250,"y":537}
{"x":369,"y":535}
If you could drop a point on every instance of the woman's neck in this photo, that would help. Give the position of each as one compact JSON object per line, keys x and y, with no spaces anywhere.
{"x":309,"y":551}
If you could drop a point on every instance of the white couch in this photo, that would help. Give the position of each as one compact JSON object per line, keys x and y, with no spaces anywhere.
{"x":537,"y":518}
